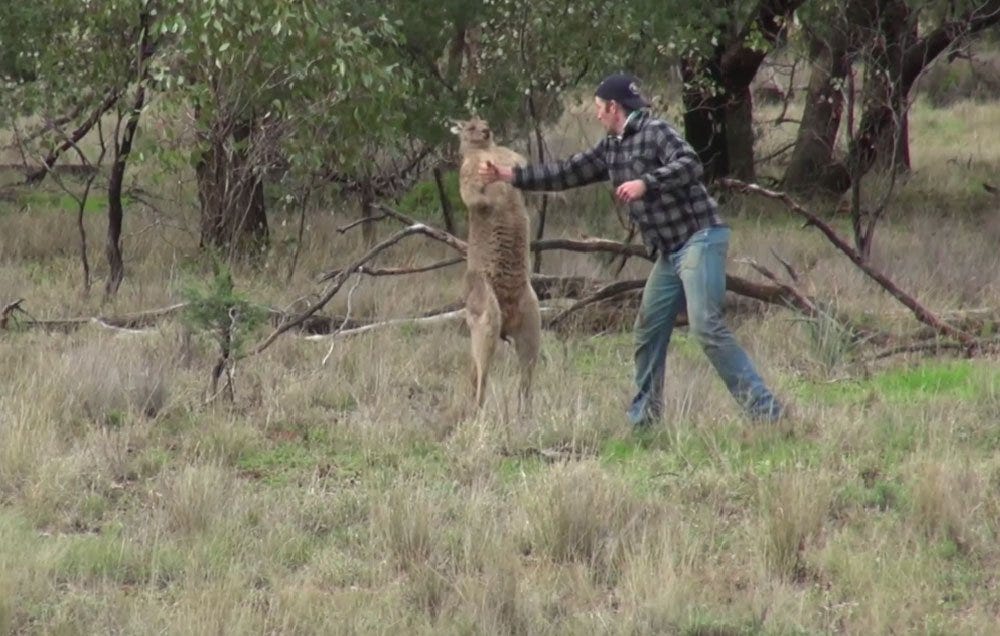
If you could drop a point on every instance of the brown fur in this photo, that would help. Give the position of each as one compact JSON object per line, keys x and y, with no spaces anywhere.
{"x":499,"y":299}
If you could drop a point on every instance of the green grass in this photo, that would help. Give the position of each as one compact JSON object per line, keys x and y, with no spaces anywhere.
{"x":923,"y":382}
{"x":112,"y":557}
{"x":944,"y":125}
{"x":46,"y":201}
{"x":276,"y":465}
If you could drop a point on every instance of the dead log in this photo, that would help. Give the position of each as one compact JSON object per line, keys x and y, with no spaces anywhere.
{"x":975,"y":321}
{"x":132,"y":321}
{"x":547,"y":287}
{"x":935,"y":346}
{"x":609,"y":291}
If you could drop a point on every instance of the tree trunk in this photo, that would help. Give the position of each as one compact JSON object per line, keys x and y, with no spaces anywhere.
{"x":231,"y":193}
{"x":889,"y":154}
{"x":720,"y":128}
{"x":812,"y":161}
{"x":718,"y":117}
{"x":446,"y":211}
{"x":884,"y":94}
{"x":904,"y":57}
{"x":123,"y":148}
{"x":739,"y":134}
{"x":366,"y":200}
{"x":705,"y":122}
{"x":540,"y":153}
{"x":893,"y":143}
{"x":113,"y":246}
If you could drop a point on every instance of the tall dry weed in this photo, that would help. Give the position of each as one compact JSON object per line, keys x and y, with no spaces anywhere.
{"x":110,"y":380}
{"x":581,"y":515}
{"x":794,"y":509}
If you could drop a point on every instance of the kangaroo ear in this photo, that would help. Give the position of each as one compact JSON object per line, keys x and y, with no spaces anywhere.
{"x":456,"y":126}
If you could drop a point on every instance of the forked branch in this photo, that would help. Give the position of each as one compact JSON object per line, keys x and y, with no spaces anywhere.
{"x":922,"y":314}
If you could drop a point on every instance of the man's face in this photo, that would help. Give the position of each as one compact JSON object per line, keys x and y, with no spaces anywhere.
{"x":609,"y":114}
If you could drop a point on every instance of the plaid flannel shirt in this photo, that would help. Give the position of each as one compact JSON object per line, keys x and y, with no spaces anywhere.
{"x":676,"y":203}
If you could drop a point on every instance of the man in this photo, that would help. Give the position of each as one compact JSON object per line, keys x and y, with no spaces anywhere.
{"x":657,"y":174}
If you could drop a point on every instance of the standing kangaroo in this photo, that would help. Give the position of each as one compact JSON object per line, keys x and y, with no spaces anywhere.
{"x":499,"y":299}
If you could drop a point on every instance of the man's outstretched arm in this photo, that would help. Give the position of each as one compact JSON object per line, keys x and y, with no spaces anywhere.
{"x":581,"y":169}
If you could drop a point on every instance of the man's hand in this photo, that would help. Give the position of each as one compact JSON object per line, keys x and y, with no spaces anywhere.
{"x":491,"y":173}
{"x":631,"y":191}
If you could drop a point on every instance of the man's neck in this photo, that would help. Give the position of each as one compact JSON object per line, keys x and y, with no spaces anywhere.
{"x":621,"y":129}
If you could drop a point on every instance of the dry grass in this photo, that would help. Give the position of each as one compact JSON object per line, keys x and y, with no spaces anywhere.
{"x":352,"y":497}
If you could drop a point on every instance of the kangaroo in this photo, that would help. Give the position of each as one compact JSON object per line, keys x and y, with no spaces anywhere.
{"x":500,"y":302}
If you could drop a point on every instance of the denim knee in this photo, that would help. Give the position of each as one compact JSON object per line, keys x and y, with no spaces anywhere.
{"x":710,"y":333}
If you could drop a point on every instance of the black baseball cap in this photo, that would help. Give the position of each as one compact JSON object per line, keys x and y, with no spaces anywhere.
{"x":622,"y":88}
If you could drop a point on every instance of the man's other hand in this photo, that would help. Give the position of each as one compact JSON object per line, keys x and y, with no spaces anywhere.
{"x":631,"y":191}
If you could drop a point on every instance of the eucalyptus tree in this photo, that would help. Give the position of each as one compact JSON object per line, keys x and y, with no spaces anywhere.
{"x":511,"y":62}
{"x":275,"y":89}
{"x":718,"y":49}
{"x":892,"y":42}
{"x":69,"y":63}
{"x":832,"y":38}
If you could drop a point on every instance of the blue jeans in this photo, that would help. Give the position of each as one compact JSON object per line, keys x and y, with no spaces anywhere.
{"x":695,"y":274}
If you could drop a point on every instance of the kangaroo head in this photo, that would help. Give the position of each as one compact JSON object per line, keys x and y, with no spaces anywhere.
{"x":474,"y":133}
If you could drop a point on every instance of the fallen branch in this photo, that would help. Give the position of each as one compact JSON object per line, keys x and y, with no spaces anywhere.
{"x":573,"y":245}
{"x":561,"y":453}
{"x":918,"y":347}
{"x":339,"y":280}
{"x":453,"y":315}
{"x":607,"y":292}
{"x":9,"y":310}
{"x":396,"y":271}
{"x":799,"y":300}
{"x":562,"y":286}
{"x":986,"y":345}
{"x":143,"y":321}
{"x":126,"y":322}
{"x":353,"y":224}
{"x":923,"y":314}
{"x":592,"y":245}
{"x":426,"y":320}
{"x":974,"y":321}
{"x":347,"y":316}
{"x":788,"y":266}
{"x":62,"y":169}
{"x":48,"y":125}
{"x":394,"y":213}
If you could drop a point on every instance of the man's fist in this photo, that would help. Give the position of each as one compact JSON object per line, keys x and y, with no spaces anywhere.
{"x":631,"y":191}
